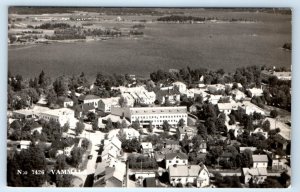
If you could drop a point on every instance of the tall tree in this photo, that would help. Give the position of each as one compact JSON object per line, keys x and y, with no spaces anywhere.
{"x":79,"y":127}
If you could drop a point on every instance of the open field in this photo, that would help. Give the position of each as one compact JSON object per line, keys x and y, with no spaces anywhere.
{"x":164,"y":46}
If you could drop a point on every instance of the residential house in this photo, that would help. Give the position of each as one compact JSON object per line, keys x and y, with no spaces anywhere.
{"x":105,"y":104}
{"x":143,"y":174}
{"x":111,"y":149}
{"x":260,"y":131}
{"x":255,"y":92}
{"x":196,"y":175}
{"x":213,"y":99}
{"x":250,"y":108}
{"x":171,"y":145}
{"x":257,"y":175}
{"x":215,"y":88}
{"x":260,"y":161}
{"x":129,"y":133}
{"x":114,"y":119}
{"x":190,"y":132}
{"x":149,"y":182}
{"x":129,"y":100}
{"x":226,"y":108}
{"x":24,"y":144}
{"x":242,"y":149}
{"x":24,"y":114}
{"x":65,"y":102}
{"x":194,"y":108}
{"x":176,"y":159}
{"x":284,"y":75}
{"x":239,"y":85}
{"x":170,"y":95}
{"x":196,"y":92}
{"x":113,"y":142}
{"x":237,"y":95}
{"x":110,"y":174}
{"x":91,"y":100}
{"x":109,"y":153}
{"x":181,"y":87}
{"x":146,"y":148}
{"x":83,"y":109}
{"x":279,"y":163}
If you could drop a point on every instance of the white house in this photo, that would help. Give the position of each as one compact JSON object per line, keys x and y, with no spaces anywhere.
{"x":170,"y":95}
{"x":176,"y":159}
{"x":260,"y":161}
{"x":146,"y":147}
{"x":258,"y":175}
{"x":190,"y":132}
{"x":226,"y":108}
{"x":196,"y":175}
{"x":129,"y":100}
{"x":213,"y":99}
{"x":89,"y":99}
{"x":250,"y":108}
{"x":106,"y":103}
{"x":24,"y":144}
{"x":238,"y":95}
{"x":129,"y":133}
{"x":255,"y":92}
{"x":260,"y":131}
{"x":215,"y":87}
{"x":181,"y":87}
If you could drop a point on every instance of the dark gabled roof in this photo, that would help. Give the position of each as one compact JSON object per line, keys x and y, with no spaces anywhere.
{"x":88,"y":97}
{"x":179,"y":155}
{"x":86,"y":107}
{"x":171,"y":142}
{"x":150,"y":182}
{"x":260,"y":158}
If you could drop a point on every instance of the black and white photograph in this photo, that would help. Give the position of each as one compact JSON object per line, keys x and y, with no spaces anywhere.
{"x":149,"y":97}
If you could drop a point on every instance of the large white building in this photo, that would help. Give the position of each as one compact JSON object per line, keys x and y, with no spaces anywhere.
{"x":156,"y":115}
{"x":62,"y":116}
{"x":106,"y":103}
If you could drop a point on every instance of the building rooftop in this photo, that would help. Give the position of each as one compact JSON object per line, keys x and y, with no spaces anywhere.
{"x":110,"y":101}
{"x":146,"y":145}
{"x":88,"y":97}
{"x":183,"y":130}
{"x":261,"y":171}
{"x":157,"y":110}
{"x":227,"y":106}
{"x":260,"y":158}
{"x":186,"y":170}
{"x":173,"y":155}
{"x":150,"y":182}
{"x":168,"y":92}
{"x":59,"y":112}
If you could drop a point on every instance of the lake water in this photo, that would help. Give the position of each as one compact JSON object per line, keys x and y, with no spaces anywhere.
{"x":210,"y":45}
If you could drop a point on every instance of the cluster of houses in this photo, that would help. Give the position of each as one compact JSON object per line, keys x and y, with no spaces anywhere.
{"x":111,"y":171}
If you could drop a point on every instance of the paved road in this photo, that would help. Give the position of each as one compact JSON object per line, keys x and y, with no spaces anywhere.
{"x":95,"y":138}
